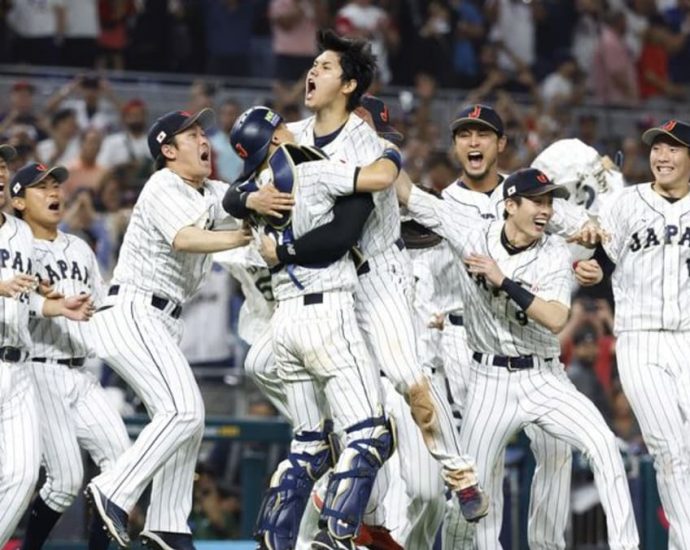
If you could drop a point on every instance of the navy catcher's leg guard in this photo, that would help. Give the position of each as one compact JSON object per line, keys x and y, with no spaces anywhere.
{"x":353,"y":477}
{"x":281,"y":510}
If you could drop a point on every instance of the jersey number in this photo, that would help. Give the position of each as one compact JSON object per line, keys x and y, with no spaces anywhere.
{"x":687,"y":262}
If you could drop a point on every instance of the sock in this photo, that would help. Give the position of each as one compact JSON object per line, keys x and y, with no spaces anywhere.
{"x":42,"y":519}
{"x":98,"y":535}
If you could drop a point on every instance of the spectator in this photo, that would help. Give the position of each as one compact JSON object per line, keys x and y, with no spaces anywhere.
{"x":25,"y":144}
{"x":362,"y":19}
{"x":439,"y":172}
{"x":561,"y":88}
{"x":63,"y":145}
{"x":513,"y":26}
{"x":5,"y":32}
{"x":40,"y":28}
{"x":587,"y":131}
{"x":21,"y":111}
{"x":678,"y":20}
{"x":581,"y":368}
{"x":216,"y":509}
{"x":586,"y":33}
{"x":469,"y":31}
{"x":635,"y":168}
{"x":294,"y":24}
{"x":613,"y":71}
{"x":129,"y":149}
{"x":227,"y":164}
{"x":84,"y":171}
{"x":653,"y":65}
{"x":82,"y":28}
{"x":113,"y":16}
{"x":623,"y":423}
{"x":261,"y":47}
{"x":201,"y":96}
{"x":109,"y":205}
{"x":435,"y":45}
{"x":96,"y":105}
{"x":228,"y":32}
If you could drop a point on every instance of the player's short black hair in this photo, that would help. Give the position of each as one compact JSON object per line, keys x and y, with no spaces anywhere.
{"x":356,"y":60}
{"x":161,"y":160}
{"x":517,"y":201}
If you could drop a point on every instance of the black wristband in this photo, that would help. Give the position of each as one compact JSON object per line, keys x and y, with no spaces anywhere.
{"x":394,"y":156}
{"x":521,"y":296}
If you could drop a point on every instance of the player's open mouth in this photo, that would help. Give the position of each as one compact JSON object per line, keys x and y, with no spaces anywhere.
{"x":55,"y":206}
{"x":540,"y":224}
{"x":311,"y":87}
{"x":475,"y":159}
{"x":204,"y":156}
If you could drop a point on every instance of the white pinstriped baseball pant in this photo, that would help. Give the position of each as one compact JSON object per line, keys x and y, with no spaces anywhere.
{"x":655,"y":374}
{"x":141,"y":342}
{"x":20,"y":448}
{"x":76,"y":412}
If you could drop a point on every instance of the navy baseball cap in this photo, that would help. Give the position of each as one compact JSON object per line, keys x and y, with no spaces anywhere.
{"x":675,"y":129}
{"x":381,"y":117}
{"x":478,"y":114}
{"x":530,"y":182}
{"x":251,"y":135}
{"x":7,"y":152}
{"x":34,"y":173}
{"x":174,"y":122}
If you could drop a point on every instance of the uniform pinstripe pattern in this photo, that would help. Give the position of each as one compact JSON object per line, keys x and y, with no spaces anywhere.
{"x":71,"y":266}
{"x":20,"y":454}
{"x":649,"y":236}
{"x":261,"y":366}
{"x":358,"y":145}
{"x":653,"y":367}
{"x":76,"y":413}
{"x":545,"y":396}
{"x":141,"y":343}
{"x":650,"y":245}
{"x":166,"y":205}
{"x":494,"y":327}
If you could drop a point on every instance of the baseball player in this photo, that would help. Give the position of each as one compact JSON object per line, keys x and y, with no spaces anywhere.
{"x":478,"y":138}
{"x":72,"y":405}
{"x":20,"y":451}
{"x":512,"y":320}
{"x":317,"y":345}
{"x":164,"y":256}
{"x":649,"y":226}
{"x":334,"y":86}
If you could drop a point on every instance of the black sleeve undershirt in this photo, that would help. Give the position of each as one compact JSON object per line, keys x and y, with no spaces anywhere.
{"x":330,"y":242}
{"x":235,"y":202}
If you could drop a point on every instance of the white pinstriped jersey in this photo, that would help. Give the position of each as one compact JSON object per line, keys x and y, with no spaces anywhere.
{"x":358,"y":144}
{"x":317,"y":185}
{"x":166,"y":205}
{"x":650,"y":245}
{"x":70,"y":265}
{"x":495,"y":324}
{"x":16,"y":256}
{"x":248,"y":267}
{"x":567,"y":219}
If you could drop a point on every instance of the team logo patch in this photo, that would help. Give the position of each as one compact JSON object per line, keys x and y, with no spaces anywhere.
{"x":41,"y":167}
{"x":16,"y":188}
{"x":272,"y":117}
{"x":185,"y":113}
{"x":160,"y":138}
{"x":241,"y":151}
{"x":669,"y":126}
{"x":541,"y":178}
{"x":475,"y":112}
{"x":511,"y":190}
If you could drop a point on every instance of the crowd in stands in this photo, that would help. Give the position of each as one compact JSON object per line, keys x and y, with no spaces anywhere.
{"x":554,"y":55}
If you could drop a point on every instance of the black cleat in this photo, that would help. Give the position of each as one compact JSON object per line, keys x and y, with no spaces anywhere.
{"x":113,"y":517}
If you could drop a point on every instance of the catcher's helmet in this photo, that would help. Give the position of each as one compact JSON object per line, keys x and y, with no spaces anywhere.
{"x":251,"y":136}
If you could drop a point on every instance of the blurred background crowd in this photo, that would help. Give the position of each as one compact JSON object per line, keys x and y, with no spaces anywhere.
{"x":82,"y":80}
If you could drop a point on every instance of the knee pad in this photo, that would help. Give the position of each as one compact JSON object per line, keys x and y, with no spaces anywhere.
{"x":288,"y":492}
{"x":351,"y":482}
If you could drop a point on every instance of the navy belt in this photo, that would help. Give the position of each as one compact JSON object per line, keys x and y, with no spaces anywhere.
{"x":457,"y":320}
{"x":366,"y":268}
{"x":11,"y":355}
{"x":156,"y":301}
{"x":522,"y":362}
{"x":71,"y":363}
{"x":311,"y":299}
